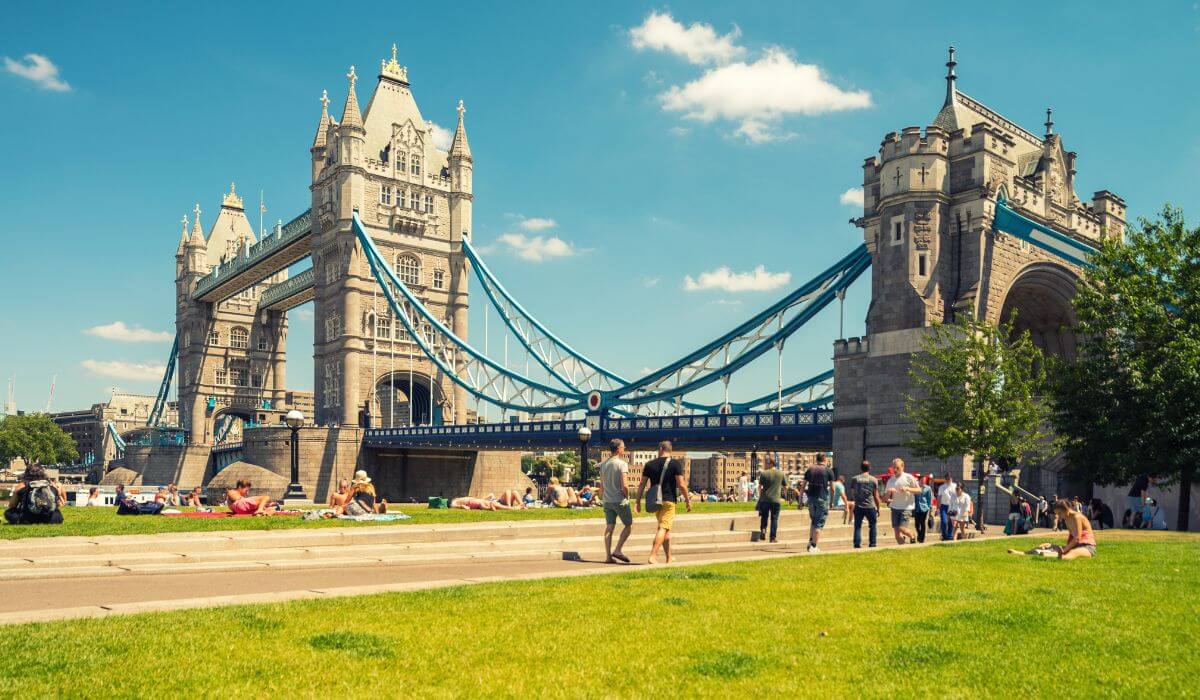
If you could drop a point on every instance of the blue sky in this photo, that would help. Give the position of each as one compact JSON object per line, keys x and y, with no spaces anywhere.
{"x":646,"y":140}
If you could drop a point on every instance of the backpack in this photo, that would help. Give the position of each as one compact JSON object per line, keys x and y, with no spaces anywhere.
{"x":40,"y":499}
{"x":654,"y":495}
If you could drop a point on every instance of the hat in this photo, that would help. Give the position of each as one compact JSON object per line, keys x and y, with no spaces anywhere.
{"x":360,"y":477}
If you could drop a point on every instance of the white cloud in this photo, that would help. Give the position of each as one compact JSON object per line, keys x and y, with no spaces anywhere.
{"x":39,"y":69}
{"x":537,"y":248}
{"x":758,"y":95}
{"x":757,"y":280}
{"x":125,"y":370}
{"x":852,"y":196}
{"x":698,"y":44}
{"x":118,"y":331}
{"x":537,"y":224}
{"x":304,"y":313}
{"x":649,"y":282}
{"x":679,"y":131}
{"x":442,"y":137}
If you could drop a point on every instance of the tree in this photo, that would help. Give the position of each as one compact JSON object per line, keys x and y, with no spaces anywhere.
{"x":977,"y":389}
{"x":1129,"y":403}
{"x":36,"y":439}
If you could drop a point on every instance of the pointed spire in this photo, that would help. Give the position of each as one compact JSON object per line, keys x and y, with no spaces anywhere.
{"x":351,"y":116}
{"x":323,"y":124}
{"x":183,"y":237}
{"x":459,"y":146}
{"x":232,"y":199}
{"x":946,"y":118}
{"x":1049,"y":121}
{"x":197,"y":238}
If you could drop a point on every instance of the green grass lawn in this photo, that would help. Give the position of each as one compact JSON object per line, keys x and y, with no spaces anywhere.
{"x":960,"y":621}
{"x":91,"y":522}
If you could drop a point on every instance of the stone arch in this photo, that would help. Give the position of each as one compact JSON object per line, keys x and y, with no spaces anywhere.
{"x":230,"y":422}
{"x":1040,"y":295}
{"x":401,"y":404}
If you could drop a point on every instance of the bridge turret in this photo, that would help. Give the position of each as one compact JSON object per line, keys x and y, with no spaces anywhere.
{"x":181,"y":250}
{"x":319,"y":148}
{"x":196,"y":250}
{"x":461,"y":166}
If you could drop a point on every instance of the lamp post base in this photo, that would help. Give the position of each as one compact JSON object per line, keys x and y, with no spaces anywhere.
{"x":295,"y":492}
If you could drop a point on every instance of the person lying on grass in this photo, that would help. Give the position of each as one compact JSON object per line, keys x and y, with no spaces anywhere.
{"x":242,"y":503}
{"x":1081,"y":540}
{"x":509,"y":497}
{"x":193,"y":499}
{"x":489,"y":503}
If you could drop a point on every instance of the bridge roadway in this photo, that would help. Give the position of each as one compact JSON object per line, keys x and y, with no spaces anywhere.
{"x":287,"y":245}
{"x":788,"y":429}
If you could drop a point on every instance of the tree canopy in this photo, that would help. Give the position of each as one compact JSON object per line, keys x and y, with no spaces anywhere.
{"x":977,"y":389}
{"x":36,"y":439}
{"x":1129,"y":403}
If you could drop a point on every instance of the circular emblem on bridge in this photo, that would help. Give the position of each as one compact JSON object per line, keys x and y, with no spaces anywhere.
{"x":593,"y":401}
{"x":725,"y":409}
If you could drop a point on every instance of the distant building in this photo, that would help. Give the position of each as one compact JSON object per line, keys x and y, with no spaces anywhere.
{"x":126,"y":411}
{"x":719,"y":472}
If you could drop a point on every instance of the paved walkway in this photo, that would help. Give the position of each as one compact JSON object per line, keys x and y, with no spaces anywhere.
{"x":34,"y":600}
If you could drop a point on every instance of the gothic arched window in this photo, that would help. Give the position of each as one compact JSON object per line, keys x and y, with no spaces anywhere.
{"x":401,"y":161}
{"x":239,"y":338}
{"x":410,"y":269}
{"x":415,"y":165}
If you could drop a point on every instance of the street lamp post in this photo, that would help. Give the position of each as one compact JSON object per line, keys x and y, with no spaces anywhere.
{"x":585,"y":434}
{"x":295,"y":492}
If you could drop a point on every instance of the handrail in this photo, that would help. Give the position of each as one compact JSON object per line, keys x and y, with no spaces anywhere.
{"x":289,"y":232}
{"x":289,"y":287}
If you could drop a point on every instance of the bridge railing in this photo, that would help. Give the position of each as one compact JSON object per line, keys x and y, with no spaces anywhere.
{"x":291,"y":231}
{"x":278,"y":292}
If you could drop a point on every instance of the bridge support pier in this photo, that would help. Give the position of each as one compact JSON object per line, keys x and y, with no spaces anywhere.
{"x":403,"y":476}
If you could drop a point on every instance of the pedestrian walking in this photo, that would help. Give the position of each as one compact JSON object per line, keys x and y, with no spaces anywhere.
{"x":922,"y":504}
{"x":743,"y":487}
{"x":947,"y":493}
{"x":864,"y":490}
{"x":664,"y":476}
{"x":816,"y":480}
{"x":615,"y":495}
{"x":963,"y":509}
{"x":770,"y":498}
{"x":902,"y":489}
{"x":839,"y":498}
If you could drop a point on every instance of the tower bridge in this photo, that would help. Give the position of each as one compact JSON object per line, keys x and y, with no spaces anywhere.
{"x":971,"y":215}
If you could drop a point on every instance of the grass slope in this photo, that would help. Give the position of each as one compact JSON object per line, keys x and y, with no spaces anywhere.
{"x":956,"y":621}
{"x":91,"y":522}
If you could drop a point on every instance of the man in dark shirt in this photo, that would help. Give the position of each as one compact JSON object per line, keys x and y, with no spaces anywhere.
{"x":1138,"y":492}
{"x":816,"y":486}
{"x":864,"y":495}
{"x":770,"y":497}
{"x":668,"y":472}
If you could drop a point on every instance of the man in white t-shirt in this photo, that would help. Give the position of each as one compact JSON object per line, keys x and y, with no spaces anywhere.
{"x":947,"y":492}
{"x":616,"y":501}
{"x":901,"y":495}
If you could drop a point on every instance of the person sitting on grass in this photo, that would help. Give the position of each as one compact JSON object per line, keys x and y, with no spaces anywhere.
{"x":530,"y":497}
{"x":1081,"y":540}
{"x":36,"y":501}
{"x":94,"y":498}
{"x":562,"y":496}
{"x":337,"y":499}
{"x":362,"y":499}
{"x":489,"y":503}
{"x":193,"y":498}
{"x":242,"y":503}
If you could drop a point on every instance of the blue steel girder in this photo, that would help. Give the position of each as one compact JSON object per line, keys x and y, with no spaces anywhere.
{"x":768,"y":329}
{"x":457,"y":359}
{"x":1057,"y":243}
{"x":164,"y":388}
{"x":763,"y":429}
{"x":287,"y":245}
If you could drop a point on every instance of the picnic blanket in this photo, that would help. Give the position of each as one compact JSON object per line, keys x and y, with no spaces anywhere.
{"x":224,"y":514}
{"x":375,"y":517}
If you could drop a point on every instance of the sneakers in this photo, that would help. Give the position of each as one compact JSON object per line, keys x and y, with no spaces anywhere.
{"x":812,"y":549}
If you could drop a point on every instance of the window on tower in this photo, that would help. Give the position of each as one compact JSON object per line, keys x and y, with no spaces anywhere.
{"x":428,"y":204}
{"x":385,"y":194}
{"x":410,"y":269}
{"x":415,"y":165}
{"x":214,"y":337}
{"x":239,"y":338}
{"x":383,"y":327}
{"x":922,"y":265}
{"x":897,"y":230}
{"x":222,"y":377}
{"x":401,"y":162}
{"x":439,"y":279}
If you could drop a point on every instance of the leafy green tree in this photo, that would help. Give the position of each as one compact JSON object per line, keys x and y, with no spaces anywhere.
{"x":36,"y":439}
{"x":1129,"y":403}
{"x":978,"y":389}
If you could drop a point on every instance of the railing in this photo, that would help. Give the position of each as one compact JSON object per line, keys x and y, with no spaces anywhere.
{"x":291,"y":231}
{"x":289,"y":287}
{"x":173,"y":437}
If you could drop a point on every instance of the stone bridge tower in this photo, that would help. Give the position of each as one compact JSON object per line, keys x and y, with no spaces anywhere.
{"x":415,"y":201}
{"x":929,"y":201}
{"x":232,"y":355}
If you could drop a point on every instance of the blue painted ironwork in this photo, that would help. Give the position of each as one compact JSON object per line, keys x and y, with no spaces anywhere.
{"x":164,"y":389}
{"x":289,"y":293}
{"x":766,"y":330}
{"x":157,"y":436}
{"x":778,"y":429}
{"x":463,"y":364}
{"x":224,"y":455}
{"x":118,"y":441}
{"x":294,"y":230}
{"x":1058,"y":243}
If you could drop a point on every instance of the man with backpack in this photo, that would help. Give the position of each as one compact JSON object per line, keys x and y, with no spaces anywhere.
{"x":664,"y":476}
{"x":36,"y":501}
{"x":816,"y":481}
{"x":864,"y":495}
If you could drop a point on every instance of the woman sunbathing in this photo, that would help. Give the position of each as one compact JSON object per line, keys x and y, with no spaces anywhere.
{"x":1081,"y":540}
{"x":510,"y":497}
{"x":489,"y":503}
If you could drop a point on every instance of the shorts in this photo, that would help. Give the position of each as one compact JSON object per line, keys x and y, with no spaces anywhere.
{"x":901,"y":518}
{"x":612,"y":511}
{"x":817,"y":512}
{"x":244,"y":506}
{"x":665,"y":515}
{"x":1089,"y":547}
